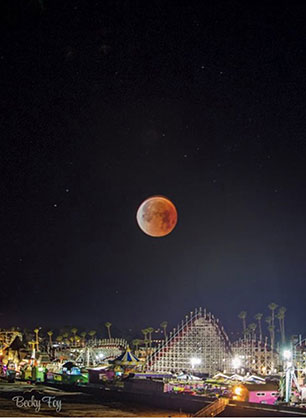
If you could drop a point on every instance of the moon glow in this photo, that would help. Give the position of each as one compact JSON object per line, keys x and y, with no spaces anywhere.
{"x":157,"y":216}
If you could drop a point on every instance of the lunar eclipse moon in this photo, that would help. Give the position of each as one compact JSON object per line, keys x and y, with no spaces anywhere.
{"x":157,"y":216}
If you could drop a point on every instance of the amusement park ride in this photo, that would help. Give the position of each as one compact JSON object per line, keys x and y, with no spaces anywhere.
{"x":92,"y":355}
{"x":201,"y":336}
{"x":198,"y":346}
{"x":7,"y":337}
{"x":294,"y":370}
{"x":290,"y":376}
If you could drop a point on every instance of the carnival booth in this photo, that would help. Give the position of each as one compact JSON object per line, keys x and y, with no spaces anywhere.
{"x":100,"y":374}
{"x":184,"y":382}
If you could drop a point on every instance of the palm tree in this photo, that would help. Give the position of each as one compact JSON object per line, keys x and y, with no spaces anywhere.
{"x":150,"y":330}
{"x":243,"y":316}
{"x":36,"y":330}
{"x":92,"y":333}
{"x":136,"y":343}
{"x":268,"y":320}
{"x":282,"y":310}
{"x":252,"y":328}
{"x":83,"y":335}
{"x":258,"y":318}
{"x":246,"y":333}
{"x":145,"y":333}
{"x":273,"y":306}
{"x":74,"y":331}
{"x":271,"y":331}
{"x":65,"y":337}
{"x":164,"y":325}
{"x":108,"y":326}
{"x":50,"y":333}
{"x":59,"y":339}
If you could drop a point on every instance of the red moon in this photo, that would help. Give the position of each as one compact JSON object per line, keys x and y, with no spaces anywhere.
{"x":157,"y":216}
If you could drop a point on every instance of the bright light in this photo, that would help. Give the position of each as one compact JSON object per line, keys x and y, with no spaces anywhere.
{"x":238,"y":391}
{"x":101,"y":355}
{"x":236,"y":362}
{"x":195,"y":361}
{"x":287,"y":354}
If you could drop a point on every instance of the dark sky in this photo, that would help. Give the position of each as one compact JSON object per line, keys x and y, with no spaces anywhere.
{"x":105,"y":103}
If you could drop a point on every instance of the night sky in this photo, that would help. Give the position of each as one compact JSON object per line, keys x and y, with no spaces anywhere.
{"x":105,"y":103}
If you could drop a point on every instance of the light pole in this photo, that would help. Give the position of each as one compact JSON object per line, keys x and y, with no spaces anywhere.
{"x":289,"y":371}
{"x":195,"y":361}
{"x":236,"y":362}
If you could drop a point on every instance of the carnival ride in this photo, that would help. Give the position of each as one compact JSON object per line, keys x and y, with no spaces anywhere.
{"x":255,"y":355}
{"x":294,"y":372}
{"x":95,"y":353}
{"x":200,"y":344}
{"x":7,"y":338}
{"x":299,"y":357}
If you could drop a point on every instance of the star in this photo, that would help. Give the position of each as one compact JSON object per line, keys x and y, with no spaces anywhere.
{"x":67,"y":190}
{"x":55,"y":205}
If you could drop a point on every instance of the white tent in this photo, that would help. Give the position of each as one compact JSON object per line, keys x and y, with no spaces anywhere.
{"x":185,"y":376}
{"x":254,"y":378}
{"x":224,"y":376}
{"x":236,"y":377}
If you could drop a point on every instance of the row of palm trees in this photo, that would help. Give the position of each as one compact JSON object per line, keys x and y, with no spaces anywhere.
{"x":250,"y":330}
{"x":72,"y":336}
{"x":147,"y":333}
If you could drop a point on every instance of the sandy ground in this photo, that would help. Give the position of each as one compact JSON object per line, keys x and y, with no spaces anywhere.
{"x":72,"y":404}
{"x":8,"y":409}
